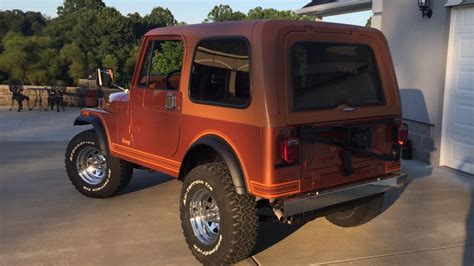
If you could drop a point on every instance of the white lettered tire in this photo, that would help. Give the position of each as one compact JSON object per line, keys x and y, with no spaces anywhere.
{"x":92,"y":173}
{"x":219,"y":225}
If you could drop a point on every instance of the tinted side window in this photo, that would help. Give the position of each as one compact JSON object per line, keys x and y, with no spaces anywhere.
{"x":326,"y":75}
{"x":221,"y":73}
{"x":162,"y":58}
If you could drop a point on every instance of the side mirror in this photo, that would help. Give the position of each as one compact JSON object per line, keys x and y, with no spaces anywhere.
{"x":105,"y":77}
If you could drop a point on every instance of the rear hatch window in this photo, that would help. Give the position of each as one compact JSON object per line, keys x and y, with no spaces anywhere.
{"x":327,"y":75}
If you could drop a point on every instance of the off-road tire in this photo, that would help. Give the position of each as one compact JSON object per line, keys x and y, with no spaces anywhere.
{"x":238,"y":216}
{"x":118,"y":172}
{"x":358,"y":212}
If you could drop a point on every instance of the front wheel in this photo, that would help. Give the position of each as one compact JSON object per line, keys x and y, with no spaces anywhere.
{"x":219,"y":225}
{"x":92,"y":173}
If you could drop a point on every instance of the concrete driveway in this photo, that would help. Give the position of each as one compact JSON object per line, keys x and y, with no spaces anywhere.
{"x":43,"y":220}
{"x":37,"y":126}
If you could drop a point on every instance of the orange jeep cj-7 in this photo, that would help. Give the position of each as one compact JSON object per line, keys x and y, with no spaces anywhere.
{"x":296,"y":117}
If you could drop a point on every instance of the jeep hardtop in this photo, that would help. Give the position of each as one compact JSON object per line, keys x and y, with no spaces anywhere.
{"x":294,"y":116}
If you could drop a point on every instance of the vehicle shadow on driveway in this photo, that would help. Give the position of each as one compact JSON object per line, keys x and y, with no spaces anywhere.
{"x":271,"y":232}
{"x":413,"y":171}
{"x":142,"y":180}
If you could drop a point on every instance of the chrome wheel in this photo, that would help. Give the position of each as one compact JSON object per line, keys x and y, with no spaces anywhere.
{"x":204,"y":216}
{"x":91,"y":165}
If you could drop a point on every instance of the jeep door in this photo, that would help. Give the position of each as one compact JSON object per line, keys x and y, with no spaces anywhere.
{"x":156,"y":122}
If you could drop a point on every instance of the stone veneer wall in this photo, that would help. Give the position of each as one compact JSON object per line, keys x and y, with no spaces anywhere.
{"x":6,"y":96}
{"x":422,"y":138}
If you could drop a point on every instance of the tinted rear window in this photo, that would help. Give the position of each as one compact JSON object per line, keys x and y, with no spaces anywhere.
{"x":326,"y":75}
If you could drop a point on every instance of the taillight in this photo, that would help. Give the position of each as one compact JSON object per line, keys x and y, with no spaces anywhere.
{"x":402,"y":134}
{"x":290,"y":150}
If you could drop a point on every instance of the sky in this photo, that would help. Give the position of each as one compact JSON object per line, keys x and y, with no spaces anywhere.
{"x":183,"y":10}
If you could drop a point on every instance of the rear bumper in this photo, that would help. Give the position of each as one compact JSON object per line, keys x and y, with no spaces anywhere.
{"x":319,"y":200}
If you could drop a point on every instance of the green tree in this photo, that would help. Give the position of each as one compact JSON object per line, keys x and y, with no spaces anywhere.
{"x":85,"y":35}
{"x":32,"y":59}
{"x":113,"y":34}
{"x":74,"y":58}
{"x":271,"y":13}
{"x":96,"y":34}
{"x":224,"y":13}
{"x":46,"y":65}
{"x":28,"y":23}
{"x":92,"y":64}
{"x":139,"y":25}
{"x":168,"y":57}
{"x":60,"y":29}
{"x":160,"y":17}
{"x":70,"y":6}
{"x":15,"y":57}
{"x":369,"y":22}
{"x":111,"y":62}
{"x":130,"y":63}
{"x":115,"y":38}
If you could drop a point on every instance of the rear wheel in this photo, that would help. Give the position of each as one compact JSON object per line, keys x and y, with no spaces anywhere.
{"x":93,"y":173}
{"x":219,"y":225}
{"x":358,"y":212}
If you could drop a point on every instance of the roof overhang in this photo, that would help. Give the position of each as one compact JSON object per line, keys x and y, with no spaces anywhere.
{"x":336,"y":8}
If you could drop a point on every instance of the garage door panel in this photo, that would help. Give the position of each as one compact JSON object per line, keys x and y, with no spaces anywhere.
{"x":457,"y":149}
{"x":466,"y":82}
{"x":463,"y":157}
{"x":464,"y":117}
{"x":465,"y":149}
{"x":464,"y":20}
{"x":468,"y":21}
{"x":467,"y":48}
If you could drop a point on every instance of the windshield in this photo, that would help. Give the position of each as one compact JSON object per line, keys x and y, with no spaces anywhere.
{"x":326,"y":75}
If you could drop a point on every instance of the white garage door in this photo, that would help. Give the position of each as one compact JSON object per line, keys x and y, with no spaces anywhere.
{"x":457,"y":149}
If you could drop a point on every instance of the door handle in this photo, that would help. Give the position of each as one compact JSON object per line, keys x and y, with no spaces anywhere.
{"x":170,"y":101}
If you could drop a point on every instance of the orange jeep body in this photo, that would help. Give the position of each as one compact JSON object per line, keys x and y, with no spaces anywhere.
{"x":137,"y":126}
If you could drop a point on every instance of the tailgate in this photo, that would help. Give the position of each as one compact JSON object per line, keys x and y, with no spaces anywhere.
{"x":345,"y":153}
{"x":341,"y":93}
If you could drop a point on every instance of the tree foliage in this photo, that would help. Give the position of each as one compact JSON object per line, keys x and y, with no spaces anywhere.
{"x":167,"y":58}
{"x":226,"y":13}
{"x":27,"y":23}
{"x":31,"y":58}
{"x":87,"y":34}
{"x":160,"y":17}
{"x":70,"y":6}
{"x":369,"y":22}
{"x":84,"y":36}
{"x":271,"y":13}
{"x":72,"y":56}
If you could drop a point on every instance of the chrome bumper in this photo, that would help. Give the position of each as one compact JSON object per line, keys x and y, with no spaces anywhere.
{"x":319,"y":200}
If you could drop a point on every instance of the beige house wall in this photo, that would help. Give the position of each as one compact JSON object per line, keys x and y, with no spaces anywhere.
{"x":419,"y":49}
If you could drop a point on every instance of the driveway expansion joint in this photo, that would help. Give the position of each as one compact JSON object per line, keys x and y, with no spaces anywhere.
{"x":395,"y":254}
